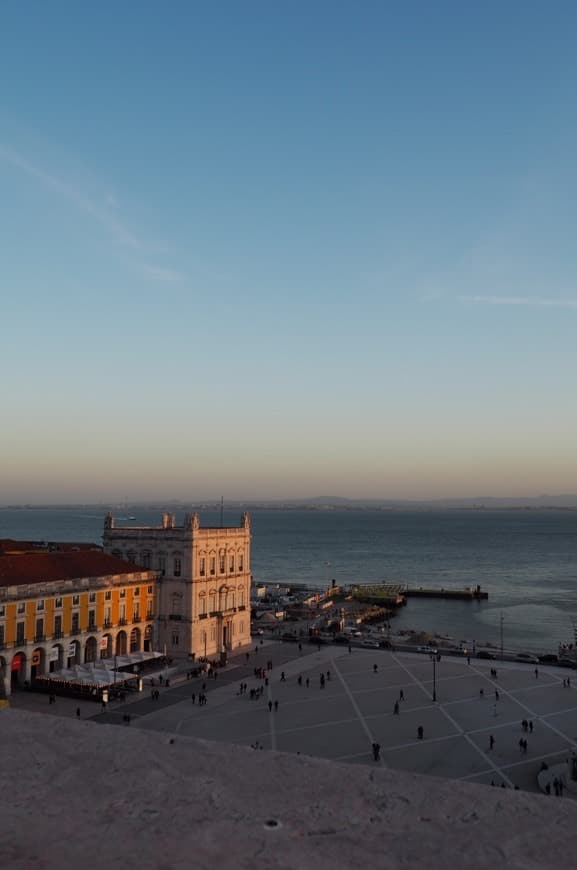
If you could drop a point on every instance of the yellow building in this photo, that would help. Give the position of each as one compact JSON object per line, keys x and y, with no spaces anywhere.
{"x":68,"y":604}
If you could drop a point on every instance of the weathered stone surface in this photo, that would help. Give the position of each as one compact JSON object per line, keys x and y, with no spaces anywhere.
{"x":76,"y":794}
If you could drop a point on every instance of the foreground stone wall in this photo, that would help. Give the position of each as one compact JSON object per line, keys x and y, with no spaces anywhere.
{"x":78,"y":794}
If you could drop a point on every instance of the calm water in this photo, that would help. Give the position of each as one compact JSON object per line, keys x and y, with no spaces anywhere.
{"x":527,"y":561}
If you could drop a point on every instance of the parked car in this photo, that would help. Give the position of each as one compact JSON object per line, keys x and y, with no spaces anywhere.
{"x":288,"y":635}
{"x":567,"y":663}
{"x":484,"y":654}
{"x":549,"y":659}
{"x":370,"y":644}
{"x":527,"y":657}
{"x":430,"y":650}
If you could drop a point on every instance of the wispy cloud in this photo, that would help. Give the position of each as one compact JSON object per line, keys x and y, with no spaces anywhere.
{"x":529,"y":301}
{"x":159,"y":273}
{"x":105,"y":217}
{"x":104,"y":213}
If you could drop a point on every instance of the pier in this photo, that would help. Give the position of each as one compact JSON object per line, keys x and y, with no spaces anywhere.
{"x":389,"y":594}
{"x":395,"y":594}
{"x":466,"y":594}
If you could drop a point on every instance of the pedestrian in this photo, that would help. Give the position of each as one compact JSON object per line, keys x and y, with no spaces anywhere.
{"x":496,"y":695}
{"x":275,"y":706}
{"x":468,"y":660}
{"x":300,"y":679}
{"x":420,"y":732}
{"x":128,"y":718}
{"x":193,"y":697}
{"x":481,"y":692}
{"x":531,"y":726}
{"x":307,"y":682}
{"x":375,"y":669}
{"x":396,"y":708}
{"x":350,"y":649}
{"x":328,"y":675}
{"x":376,"y":751}
{"x":78,"y":712}
{"x":491,"y":741}
{"x":536,"y":672}
{"x":282,"y":677}
{"x":568,"y":682}
{"x":270,"y":706}
{"x":160,"y":679}
{"x":247,"y":656}
{"x":401,"y":695}
{"x":322,"y":681}
{"x":266,"y":681}
{"x":300,"y":648}
{"x":319,"y":647}
{"x":564,"y":684}
{"x":103,"y":706}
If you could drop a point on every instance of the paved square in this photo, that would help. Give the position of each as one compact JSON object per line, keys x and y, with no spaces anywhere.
{"x":355,"y":708}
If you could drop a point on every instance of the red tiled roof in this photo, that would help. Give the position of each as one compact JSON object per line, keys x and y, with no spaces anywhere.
{"x":9,"y":545}
{"x":45,"y":567}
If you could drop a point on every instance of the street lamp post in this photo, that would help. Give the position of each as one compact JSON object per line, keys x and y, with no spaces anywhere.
{"x":434,"y":677}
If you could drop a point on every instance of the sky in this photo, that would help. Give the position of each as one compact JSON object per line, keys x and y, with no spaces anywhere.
{"x":268,"y":250}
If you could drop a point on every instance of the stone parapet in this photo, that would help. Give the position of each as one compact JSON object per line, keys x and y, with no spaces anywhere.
{"x":138,"y":799}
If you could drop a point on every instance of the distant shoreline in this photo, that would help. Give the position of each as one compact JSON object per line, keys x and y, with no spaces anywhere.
{"x":416,"y":507}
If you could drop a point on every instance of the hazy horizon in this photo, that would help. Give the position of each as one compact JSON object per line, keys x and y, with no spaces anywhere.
{"x":229,"y":503}
{"x":263,"y":250}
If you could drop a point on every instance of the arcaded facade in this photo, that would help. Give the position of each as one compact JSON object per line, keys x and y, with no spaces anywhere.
{"x":63,"y":605}
{"x":203,"y":586}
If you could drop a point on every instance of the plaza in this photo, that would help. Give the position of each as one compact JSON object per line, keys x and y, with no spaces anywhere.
{"x":356,"y":708}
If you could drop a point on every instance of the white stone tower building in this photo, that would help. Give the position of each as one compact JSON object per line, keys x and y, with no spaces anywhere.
{"x":203,"y":586}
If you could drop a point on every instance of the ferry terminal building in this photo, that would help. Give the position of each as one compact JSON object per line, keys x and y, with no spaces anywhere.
{"x":180,"y":589}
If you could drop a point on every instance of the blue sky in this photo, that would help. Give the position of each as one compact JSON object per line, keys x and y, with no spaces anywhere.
{"x":275,"y":250}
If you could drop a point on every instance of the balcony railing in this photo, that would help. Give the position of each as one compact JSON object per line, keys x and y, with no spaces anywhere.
{"x":122,"y":621}
{"x":136,"y":618}
{"x":75,"y":631}
{"x":92,"y":627}
{"x":20,"y":641}
{"x":175,"y":617}
{"x":39,"y":638}
{"x":202,"y":615}
{"x":56,"y":635}
{"x":107,"y":624}
{"x":242,"y":607}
